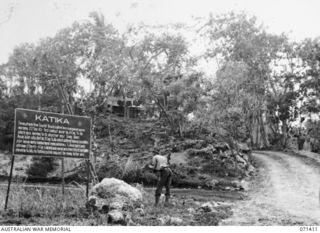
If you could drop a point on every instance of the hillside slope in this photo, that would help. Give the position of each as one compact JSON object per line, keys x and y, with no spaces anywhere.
{"x":124,"y":146}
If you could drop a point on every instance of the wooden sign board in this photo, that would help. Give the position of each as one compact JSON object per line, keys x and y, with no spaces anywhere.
{"x":51,"y":134}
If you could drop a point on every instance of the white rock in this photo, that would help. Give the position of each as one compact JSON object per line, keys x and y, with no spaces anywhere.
{"x":245,"y":185}
{"x":140,"y":211}
{"x":115,"y":216}
{"x":214,"y":204}
{"x":115,"y":186}
{"x":114,"y":194}
{"x":162,"y":220}
{"x":225,"y":204}
{"x":176,"y":221}
{"x":244,"y":147}
{"x":127,"y":218}
{"x":240,"y":159}
{"x":245,"y":157}
{"x":191,"y":210}
{"x":251,"y":168}
{"x":197,"y":203}
{"x":207,"y":207}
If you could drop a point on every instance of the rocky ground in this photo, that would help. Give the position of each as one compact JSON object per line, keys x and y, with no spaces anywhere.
{"x":198,"y":159}
{"x":45,"y":206}
{"x":123,"y":204}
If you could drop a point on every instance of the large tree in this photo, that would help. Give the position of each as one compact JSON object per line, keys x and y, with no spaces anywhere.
{"x":238,"y":39}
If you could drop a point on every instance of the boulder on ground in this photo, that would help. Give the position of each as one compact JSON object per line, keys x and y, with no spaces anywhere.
{"x":241,"y":162}
{"x":244,"y":156}
{"x":112,"y":196}
{"x":198,"y":144}
{"x":239,"y":159}
{"x":112,"y":187}
{"x":223,"y":146}
{"x":245,"y":185}
{"x":207,"y":207}
{"x":243,"y":147}
{"x":175,"y":221}
{"x":116,"y":217}
{"x":250,"y":170}
{"x":191,"y":211}
{"x":206,"y":152}
{"x":140,"y":211}
{"x":211,"y":183}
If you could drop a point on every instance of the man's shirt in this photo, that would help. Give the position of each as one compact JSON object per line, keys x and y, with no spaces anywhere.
{"x":159,"y":161}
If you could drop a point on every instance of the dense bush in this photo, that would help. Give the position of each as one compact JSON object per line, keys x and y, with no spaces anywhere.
{"x":110,"y":167}
{"x":313,"y":128}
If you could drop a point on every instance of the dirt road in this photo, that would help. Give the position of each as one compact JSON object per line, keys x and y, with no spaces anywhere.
{"x":285,"y":192}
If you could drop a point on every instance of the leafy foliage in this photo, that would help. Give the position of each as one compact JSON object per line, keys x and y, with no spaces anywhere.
{"x":262,"y":85}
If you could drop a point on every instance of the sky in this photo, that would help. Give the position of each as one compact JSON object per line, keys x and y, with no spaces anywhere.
{"x":29,"y":20}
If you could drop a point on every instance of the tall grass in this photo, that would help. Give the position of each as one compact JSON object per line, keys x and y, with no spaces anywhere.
{"x":132,"y":172}
{"x":29,"y":201}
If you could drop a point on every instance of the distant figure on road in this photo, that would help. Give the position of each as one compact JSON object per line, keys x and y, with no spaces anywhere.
{"x":160,"y":164}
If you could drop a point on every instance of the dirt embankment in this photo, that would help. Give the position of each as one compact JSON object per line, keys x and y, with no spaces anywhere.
{"x":285,"y":192}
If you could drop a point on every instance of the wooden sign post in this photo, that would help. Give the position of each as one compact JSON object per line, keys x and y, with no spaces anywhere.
{"x":38,"y":133}
{"x":9,"y":183}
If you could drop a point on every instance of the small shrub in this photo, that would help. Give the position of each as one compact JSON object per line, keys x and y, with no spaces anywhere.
{"x":41,"y":166}
{"x":133,"y":175}
{"x":149,"y":178}
{"x":111,"y":167}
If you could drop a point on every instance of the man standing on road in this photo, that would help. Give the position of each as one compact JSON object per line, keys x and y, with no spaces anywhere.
{"x":160,"y":164}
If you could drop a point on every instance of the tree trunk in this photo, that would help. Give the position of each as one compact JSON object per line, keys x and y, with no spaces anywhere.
{"x":284,"y":133}
{"x":257,"y":132}
{"x":249,"y":126}
{"x":124,"y":107}
{"x":180,"y":130}
{"x":264,"y":138}
{"x":165,"y":114}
